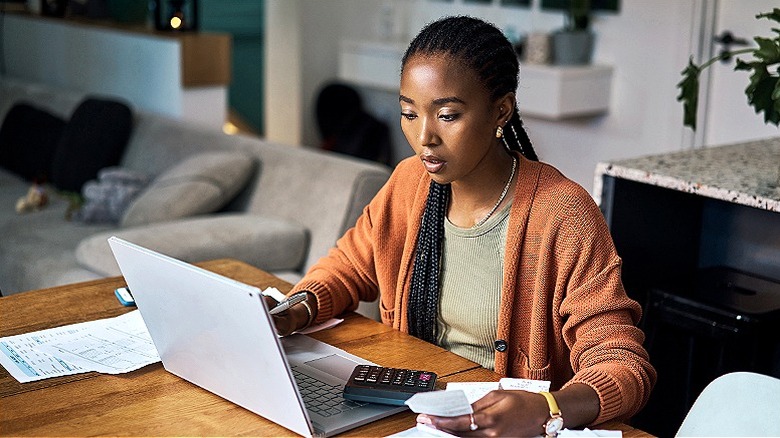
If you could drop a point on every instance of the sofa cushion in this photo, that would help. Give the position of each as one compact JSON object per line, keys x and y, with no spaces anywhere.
{"x":94,"y":138}
{"x":268,"y":243}
{"x":201,"y":184}
{"x":28,"y":139}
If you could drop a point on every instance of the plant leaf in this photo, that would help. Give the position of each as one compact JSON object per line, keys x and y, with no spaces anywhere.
{"x":760,"y":93}
{"x":763,"y":90}
{"x":742,"y":65}
{"x":776,"y":94}
{"x":774,"y":15}
{"x":689,"y":93}
{"x":768,"y":50}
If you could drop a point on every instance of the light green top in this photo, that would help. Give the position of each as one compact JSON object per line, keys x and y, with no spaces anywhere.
{"x":471,"y":277}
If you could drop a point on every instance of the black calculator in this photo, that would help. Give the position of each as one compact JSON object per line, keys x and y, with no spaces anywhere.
{"x":390,"y":386}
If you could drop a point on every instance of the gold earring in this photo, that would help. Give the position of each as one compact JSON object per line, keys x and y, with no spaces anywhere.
{"x":499,"y":132}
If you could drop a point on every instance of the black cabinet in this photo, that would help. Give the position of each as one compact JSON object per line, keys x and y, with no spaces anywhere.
{"x":707,"y":272}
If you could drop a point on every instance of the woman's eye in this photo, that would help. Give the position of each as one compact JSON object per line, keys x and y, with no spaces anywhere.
{"x":409,"y":116}
{"x":449,"y":117}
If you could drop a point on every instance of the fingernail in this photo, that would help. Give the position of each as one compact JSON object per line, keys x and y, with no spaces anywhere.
{"x":424,"y":419}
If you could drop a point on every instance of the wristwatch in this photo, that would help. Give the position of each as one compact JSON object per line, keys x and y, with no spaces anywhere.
{"x":555,"y":423}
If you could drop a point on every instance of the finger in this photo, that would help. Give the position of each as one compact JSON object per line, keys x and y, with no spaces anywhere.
{"x":487,"y":401}
{"x":283,"y":323}
{"x":270,"y":302}
{"x":459,"y":425}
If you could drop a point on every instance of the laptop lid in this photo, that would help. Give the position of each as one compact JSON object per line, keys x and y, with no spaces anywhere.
{"x":214,"y":332}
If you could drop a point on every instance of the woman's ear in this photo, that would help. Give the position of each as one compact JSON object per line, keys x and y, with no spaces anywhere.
{"x":506,"y":106}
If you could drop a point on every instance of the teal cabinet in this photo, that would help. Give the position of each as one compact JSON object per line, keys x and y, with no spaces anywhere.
{"x":244,"y":20}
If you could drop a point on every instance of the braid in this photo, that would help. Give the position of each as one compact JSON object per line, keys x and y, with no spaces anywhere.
{"x":519,"y":139}
{"x":481,"y":47}
{"x":424,"y":289}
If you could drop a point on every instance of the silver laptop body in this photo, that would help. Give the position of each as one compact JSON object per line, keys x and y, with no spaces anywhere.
{"x":216,"y":333}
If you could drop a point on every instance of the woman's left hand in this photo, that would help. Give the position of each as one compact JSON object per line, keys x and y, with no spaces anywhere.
{"x":520,"y":413}
{"x":499,"y":413}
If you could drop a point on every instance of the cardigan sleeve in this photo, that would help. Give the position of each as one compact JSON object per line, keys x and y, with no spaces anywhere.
{"x":367,"y":259}
{"x":600,"y":319}
{"x":347,"y":274}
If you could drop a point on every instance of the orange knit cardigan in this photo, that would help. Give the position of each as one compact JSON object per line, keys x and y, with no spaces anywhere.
{"x":564,"y":315}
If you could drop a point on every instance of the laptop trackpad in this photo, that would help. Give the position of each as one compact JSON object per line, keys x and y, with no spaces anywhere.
{"x":336,"y":365}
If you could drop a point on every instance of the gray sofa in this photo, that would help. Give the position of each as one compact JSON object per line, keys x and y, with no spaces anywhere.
{"x":294,"y":205}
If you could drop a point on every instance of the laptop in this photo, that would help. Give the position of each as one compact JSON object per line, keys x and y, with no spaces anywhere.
{"x":216,"y":333}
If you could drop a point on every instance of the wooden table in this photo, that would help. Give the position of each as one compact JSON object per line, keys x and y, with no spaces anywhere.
{"x":153,"y":402}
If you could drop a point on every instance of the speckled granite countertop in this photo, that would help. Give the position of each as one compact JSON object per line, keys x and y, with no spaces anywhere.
{"x":745,"y":173}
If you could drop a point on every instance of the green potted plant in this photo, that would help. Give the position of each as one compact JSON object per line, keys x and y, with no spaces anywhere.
{"x":573,"y":45}
{"x":763,"y":90}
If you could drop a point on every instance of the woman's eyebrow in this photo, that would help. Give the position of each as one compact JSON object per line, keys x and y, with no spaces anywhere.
{"x":439,"y":101}
{"x":451,"y":99}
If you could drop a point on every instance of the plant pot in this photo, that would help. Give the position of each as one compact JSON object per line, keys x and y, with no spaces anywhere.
{"x":572,"y":47}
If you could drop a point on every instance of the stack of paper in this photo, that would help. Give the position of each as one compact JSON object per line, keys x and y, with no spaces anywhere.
{"x":113,"y":346}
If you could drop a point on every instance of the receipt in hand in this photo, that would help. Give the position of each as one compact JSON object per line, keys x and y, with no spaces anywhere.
{"x":440,"y":403}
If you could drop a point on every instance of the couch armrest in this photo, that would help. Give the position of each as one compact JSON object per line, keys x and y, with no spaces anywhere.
{"x":268,"y":243}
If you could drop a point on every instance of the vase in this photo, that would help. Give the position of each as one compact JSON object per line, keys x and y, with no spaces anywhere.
{"x":572,"y":47}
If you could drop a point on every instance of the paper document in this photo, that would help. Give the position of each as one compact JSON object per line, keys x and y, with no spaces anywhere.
{"x":425,"y":431}
{"x":113,"y":345}
{"x":529,"y":385}
{"x":473,"y":390}
{"x":588,"y":432}
{"x":25,"y":363}
{"x":422,"y":431}
{"x":476,"y":390}
{"x":440,"y":403}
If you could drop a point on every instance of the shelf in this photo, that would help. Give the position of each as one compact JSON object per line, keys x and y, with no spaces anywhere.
{"x":548,"y":92}
{"x":557,"y":92}
{"x":376,"y":65}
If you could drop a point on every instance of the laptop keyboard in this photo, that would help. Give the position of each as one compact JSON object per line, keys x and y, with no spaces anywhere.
{"x":322,"y":398}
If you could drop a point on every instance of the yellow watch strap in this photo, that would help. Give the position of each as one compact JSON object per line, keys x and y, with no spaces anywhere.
{"x":554,"y":409}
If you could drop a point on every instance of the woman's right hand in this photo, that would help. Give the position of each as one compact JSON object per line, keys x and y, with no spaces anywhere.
{"x":293,"y":319}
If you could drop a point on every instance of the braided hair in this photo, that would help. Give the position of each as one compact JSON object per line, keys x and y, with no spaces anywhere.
{"x":483,"y":48}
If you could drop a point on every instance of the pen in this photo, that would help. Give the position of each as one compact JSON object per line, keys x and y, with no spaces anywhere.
{"x":287,"y":303}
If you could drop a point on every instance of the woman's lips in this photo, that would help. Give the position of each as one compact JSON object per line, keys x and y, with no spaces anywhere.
{"x":432,"y":164}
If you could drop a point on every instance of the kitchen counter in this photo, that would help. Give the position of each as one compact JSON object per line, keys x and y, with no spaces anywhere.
{"x":746,"y":173}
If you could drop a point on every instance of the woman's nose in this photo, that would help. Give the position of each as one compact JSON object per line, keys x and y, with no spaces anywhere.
{"x":427,"y":135}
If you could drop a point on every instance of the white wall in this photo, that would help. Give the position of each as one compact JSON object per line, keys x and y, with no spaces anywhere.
{"x":141,"y":69}
{"x":284,"y":67}
{"x":647,"y":42}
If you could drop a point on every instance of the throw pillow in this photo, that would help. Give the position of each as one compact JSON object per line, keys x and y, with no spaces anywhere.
{"x":107,"y":198}
{"x":94,"y":138}
{"x":201,"y":184}
{"x":28,"y":138}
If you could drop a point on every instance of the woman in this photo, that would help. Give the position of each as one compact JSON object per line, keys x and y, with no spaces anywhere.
{"x":476,"y":246}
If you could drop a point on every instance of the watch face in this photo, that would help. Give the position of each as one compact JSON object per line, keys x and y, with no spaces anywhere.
{"x":553,"y":425}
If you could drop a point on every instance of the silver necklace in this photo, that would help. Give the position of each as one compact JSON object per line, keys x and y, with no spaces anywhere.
{"x":500,"y":198}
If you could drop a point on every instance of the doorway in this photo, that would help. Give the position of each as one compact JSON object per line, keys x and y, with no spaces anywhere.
{"x":725,"y":117}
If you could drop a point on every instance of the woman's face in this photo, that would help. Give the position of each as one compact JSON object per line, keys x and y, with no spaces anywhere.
{"x":448,"y":117}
